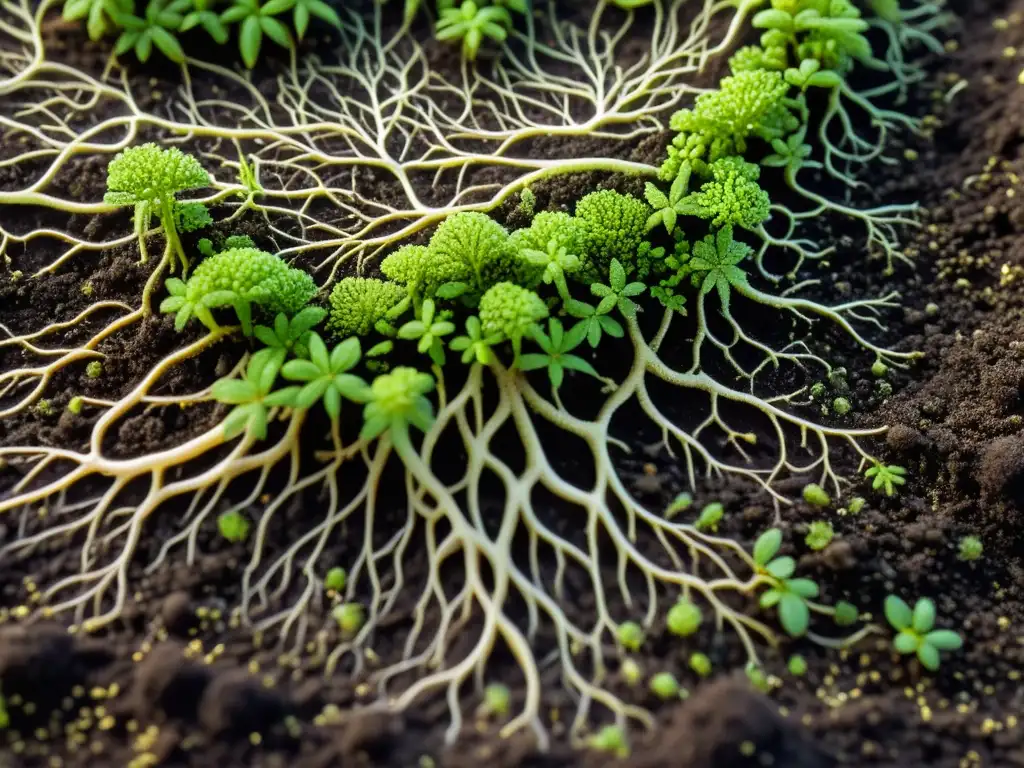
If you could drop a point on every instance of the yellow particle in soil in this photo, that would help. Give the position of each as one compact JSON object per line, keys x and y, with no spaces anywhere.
{"x":1020,"y":77}
{"x":20,"y":611}
{"x":255,"y":739}
{"x":268,"y":681}
{"x":1001,"y":24}
{"x":107,"y":723}
{"x":1009,"y":52}
{"x":748,"y":748}
{"x":254,"y":667}
{"x":362,"y":689}
{"x":911,"y":154}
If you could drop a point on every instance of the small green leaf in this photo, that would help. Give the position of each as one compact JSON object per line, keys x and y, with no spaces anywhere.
{"x":767,"y":544}
{"x":906,"y":642}
{"x":898,"y":613}
{"x":923,"y":618}
{"x":794,"y":615}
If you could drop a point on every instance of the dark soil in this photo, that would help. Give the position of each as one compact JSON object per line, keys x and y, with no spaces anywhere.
{"x":178,"y":682}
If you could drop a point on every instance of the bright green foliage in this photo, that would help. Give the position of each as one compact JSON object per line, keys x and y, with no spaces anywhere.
{"x":886,"y":476}
{"x":553,"y":243}
{"x":238,"y":278}
{"x":733,"y":195}
{"x":428,"y":330}
{"x":797,"y":665}
{"x":618,"y":294}
{"x":787,"y":594}
{"x":700,"y":663}
{"x":630,"y":635}
{"x":668,"y":208}
{"x":497,"y":698}
{"x":471,"y":23}
{"x":754,"y":57}
{"x":290,"y":338}
{"x":510,"y":311}
{"x":610,"y":739}
{"x":793,"y":153}
{"x":665,"y":686}
{"x":630,"y":672}
{"x":680,"y":503}
{"x":422,"y":275}
{"x":94,"y":369}
{"x":830,"y":32}
{"x":251,"y":396}
{"x":190,"y":217}
{"x":816,"y":495}
{"x":597,"y":323}
{"x":100,"y":15}
{"x":302,"y":10}
{"x":256,"y":20}
{"x":203,"y":15}
{"x":710,"y":517}
{"x":474,"y":345}
{"x":156,"y":27}
{"x":846,"y":614}
{"x":233,"y":526}
{"x":359,"y":304}
{"x":335,"y":579}
{"x":970,"y":548}
{"x":749,"y":104}
{"x":324,"y":377}
{"x":350,"y":617}
{"x":5,"y":720}
{"x":819,"y":534}
{"x":712,"y":264}
{"x":916,"y":633}
{"x":684,"y":618}
{"x":474,"y":252}
{"x":149,"y":177}
{"x":757,"y":677}
{"x":557,"y":346}
{"x":397,"y":400}
{"x":615,"y":225}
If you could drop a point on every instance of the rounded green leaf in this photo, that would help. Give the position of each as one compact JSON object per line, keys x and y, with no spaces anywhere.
{"x":928,"y":655}
{"x":898,"y":613}
{"x":276,"y":31}
{"x":944,"y":640}
{"x":767,"y":544}
{"x":781,"y":567}
{"x":906,"y":642}
{"x":923,"y":618}
{"x":794,"y":615}
{"x":805,"y":588}
{"x":249,"y":39}
{"x":168,"y":45}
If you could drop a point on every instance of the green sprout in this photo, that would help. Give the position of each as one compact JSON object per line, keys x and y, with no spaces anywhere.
{"x":710,"y":516}
{"x":916,"y":633}
{"x":510,"y":311}
{"x":233,"y":526}
{"x":497,"y":700}
{"x":157,"y":27}
{"x":757,"y":677}
{"x":428,"y":330}
{"x":700,"y":663}
{"x":397,"y":400}
{"x":474,"y":346}
{"x":149,"y":178}
{"x":94,"y":369}
{"x":797,"y":665}
{"x":556,"y":357}
{"x":471,"y":23}
{"x":204,"y":16}
{"x":630,"y":672}
{"x":630,"y":635}
{"x":360,"y":304}
{"x":841,"y":406}
{"x":290,"y":337}
{"x":324,"y":377}
{"x":611,"y":739}
{"x":668,"y":208}
{"x":257,"y":21}
{"x":335,"y":579}
{"x":846,"y":614}
{"x":970,"y":548}
{"x":886,"y":476}
{"x":250,"y":396}
{"x":101,"y":15}
{"x":684,"y":618}
{"x":680,"y":503}
{"x":665,"y":686}
{"x":302,"y":12}
{"x":596,"y":321}
{"x":788,"y":595}
{"x":618,"y":293}
{"x":816,"y":495}
{"x":819,"y":534}
{"x":350,"y":618}
{"x":75,"y":404}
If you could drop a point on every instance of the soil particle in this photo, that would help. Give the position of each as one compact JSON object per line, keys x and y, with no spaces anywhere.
{"x":727,"y":723}
{"x":168,"y":684}
{"x":235,"y":704}
{"x":177,"y":613}
{"x":1001,"y":469}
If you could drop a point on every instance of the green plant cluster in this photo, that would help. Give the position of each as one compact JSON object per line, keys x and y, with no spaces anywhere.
{"x":760,"y":112}
{"x":142,"y":27}
{"x":159,"y":24}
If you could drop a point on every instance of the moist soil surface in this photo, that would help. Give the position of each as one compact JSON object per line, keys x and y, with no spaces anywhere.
{"x":177,"y":681}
